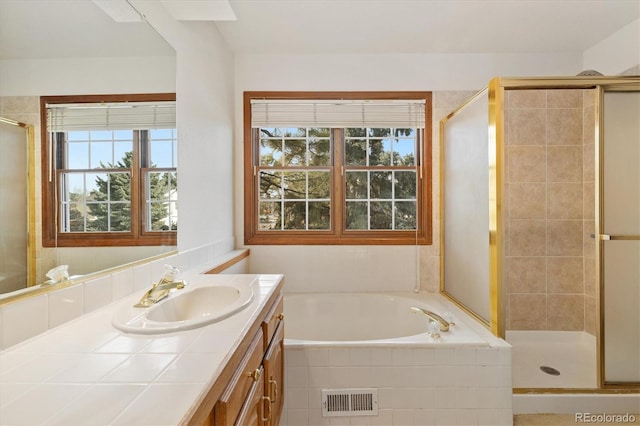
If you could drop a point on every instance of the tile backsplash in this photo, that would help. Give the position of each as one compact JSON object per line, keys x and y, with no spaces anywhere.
{"x":28,"y":317}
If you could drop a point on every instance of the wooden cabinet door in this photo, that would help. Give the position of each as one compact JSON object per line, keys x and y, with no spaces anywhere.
{"x":274,"y":374}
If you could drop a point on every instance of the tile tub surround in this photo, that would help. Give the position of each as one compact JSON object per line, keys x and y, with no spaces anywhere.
{"x":419,"y":382}
{"x":416,"y":386}
{"x":87,"y":372}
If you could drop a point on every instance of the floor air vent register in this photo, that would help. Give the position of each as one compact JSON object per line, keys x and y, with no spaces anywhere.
{"x":349,"y":402}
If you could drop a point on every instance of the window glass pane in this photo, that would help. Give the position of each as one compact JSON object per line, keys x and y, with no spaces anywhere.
{"x":355,"y":132}
{"x":270,"y":132}
{"x":379,"y":152}
{"x":120,"y":186}
{"x":161,"y":153}
{"x":320,"y":215}
{"x":294,"y":132}
{"x":270,"y":151}
{"x":162,"y":148}
{"x":161,"y":189}
{"x":355,"y":152}
{"x":405,"y":215}
{"x":123,"y":135}
{"x":101,"y":155}
{"x":98,"y":219}
{"x":319,"y":132}
{"x":380,"y":185}
{"x":410,"y":133}
{"x":120,"y":217}
{"x":404,"y":152}
{"x":294,"y":185}
{"x":379,"y":132}
{"x":162,"y":134}
{"x":295,"y":152}
{"x":319,"y":151}
{"x":97,"y":186}
{"x":270,"y":185}
{"x":74,"y":217}
{"x":381,"y":215}
{"x":101,"y":135}
{"x":356,"y":185}
{"x":123,"y":153}
{"x":77,"y":155}
{"x":269,"y":215}
{"x":72,"y":186}
{"x":356,"y":215}
{"x":295,"y":213}
{"x":75,"y":136}
{"x":405,"y":185}
{"x":319,"y":184}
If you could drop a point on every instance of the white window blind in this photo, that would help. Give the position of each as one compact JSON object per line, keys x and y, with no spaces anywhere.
{"x":111,"y":116}
{"x":338,"y":113}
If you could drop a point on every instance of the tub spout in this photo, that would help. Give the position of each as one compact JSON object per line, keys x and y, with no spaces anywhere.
{"x":444,"y":324}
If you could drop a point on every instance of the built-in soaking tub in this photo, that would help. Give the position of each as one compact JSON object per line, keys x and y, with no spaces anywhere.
{"x":351,"y":341}
{"x":370,"y":319}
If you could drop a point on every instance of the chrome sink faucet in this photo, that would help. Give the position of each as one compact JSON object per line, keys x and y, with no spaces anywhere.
{"x":162,"y":288}
{"x":444,"y":324}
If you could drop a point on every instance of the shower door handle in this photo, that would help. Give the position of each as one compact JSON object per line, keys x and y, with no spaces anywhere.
{"x":607,"y":237}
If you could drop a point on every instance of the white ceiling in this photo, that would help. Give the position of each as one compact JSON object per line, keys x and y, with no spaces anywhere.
{"x":424,"y":26}
{"x":71,"y":28}
{"x":79,"y":28}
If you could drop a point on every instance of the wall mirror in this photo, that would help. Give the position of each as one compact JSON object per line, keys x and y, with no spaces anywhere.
{"x":64,"y":47}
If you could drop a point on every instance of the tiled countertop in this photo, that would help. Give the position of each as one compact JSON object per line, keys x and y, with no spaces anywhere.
{"x":86,"y":372}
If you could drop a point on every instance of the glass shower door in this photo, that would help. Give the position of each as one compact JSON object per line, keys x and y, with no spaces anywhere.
{"x":13,"y":207}
{"x":620,"y":237}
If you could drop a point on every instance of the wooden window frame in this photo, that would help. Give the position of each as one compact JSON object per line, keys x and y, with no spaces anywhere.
{"x":51,"y":236}
{"x":337,"y":235}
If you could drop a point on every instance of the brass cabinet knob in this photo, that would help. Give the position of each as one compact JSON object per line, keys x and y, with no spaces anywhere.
{"x":255,"y":374}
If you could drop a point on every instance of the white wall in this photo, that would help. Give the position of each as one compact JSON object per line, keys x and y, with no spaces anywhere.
{"x":617,"y":53}
{"x":371,"y":268}
{"x":86,"y":76}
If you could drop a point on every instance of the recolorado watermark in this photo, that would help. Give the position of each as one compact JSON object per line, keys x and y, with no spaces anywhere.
{"x":604,"y":418}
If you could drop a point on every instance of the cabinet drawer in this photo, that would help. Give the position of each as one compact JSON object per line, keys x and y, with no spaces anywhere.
{"x":248,"y":373}
{"x":253,"y":410}
{"x":272,"y":320}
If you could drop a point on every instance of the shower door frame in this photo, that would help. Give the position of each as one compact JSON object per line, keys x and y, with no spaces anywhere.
{"x":31,"y":197}
{"x":497,"y":88}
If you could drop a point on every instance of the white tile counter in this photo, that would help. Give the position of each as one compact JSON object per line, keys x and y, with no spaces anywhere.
{"x":86,"y":372}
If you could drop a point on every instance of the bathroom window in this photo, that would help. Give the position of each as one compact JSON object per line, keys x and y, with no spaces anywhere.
{"x":337,"y":168}
{"x":109,"y":170}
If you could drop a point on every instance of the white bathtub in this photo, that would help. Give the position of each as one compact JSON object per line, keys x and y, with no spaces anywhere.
{"x":357,"y":319}
{"x":374,"y":341}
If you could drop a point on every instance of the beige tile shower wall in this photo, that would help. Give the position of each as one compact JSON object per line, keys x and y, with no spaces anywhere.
{"x":549,"y":209}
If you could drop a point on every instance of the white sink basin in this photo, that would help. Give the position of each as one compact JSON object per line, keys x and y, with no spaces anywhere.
{"x":185,"y":309}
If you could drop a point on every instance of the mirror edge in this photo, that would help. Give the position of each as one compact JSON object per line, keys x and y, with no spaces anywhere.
{"x":40,"y":289}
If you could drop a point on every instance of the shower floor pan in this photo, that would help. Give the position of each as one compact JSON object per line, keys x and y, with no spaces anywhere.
{"x":553,"y":359}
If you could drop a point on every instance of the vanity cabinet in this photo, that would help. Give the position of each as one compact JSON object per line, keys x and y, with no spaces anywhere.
{"x":249,"y":391}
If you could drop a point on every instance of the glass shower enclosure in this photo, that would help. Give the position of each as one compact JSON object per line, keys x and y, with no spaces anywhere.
{"x":540,"y":237}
